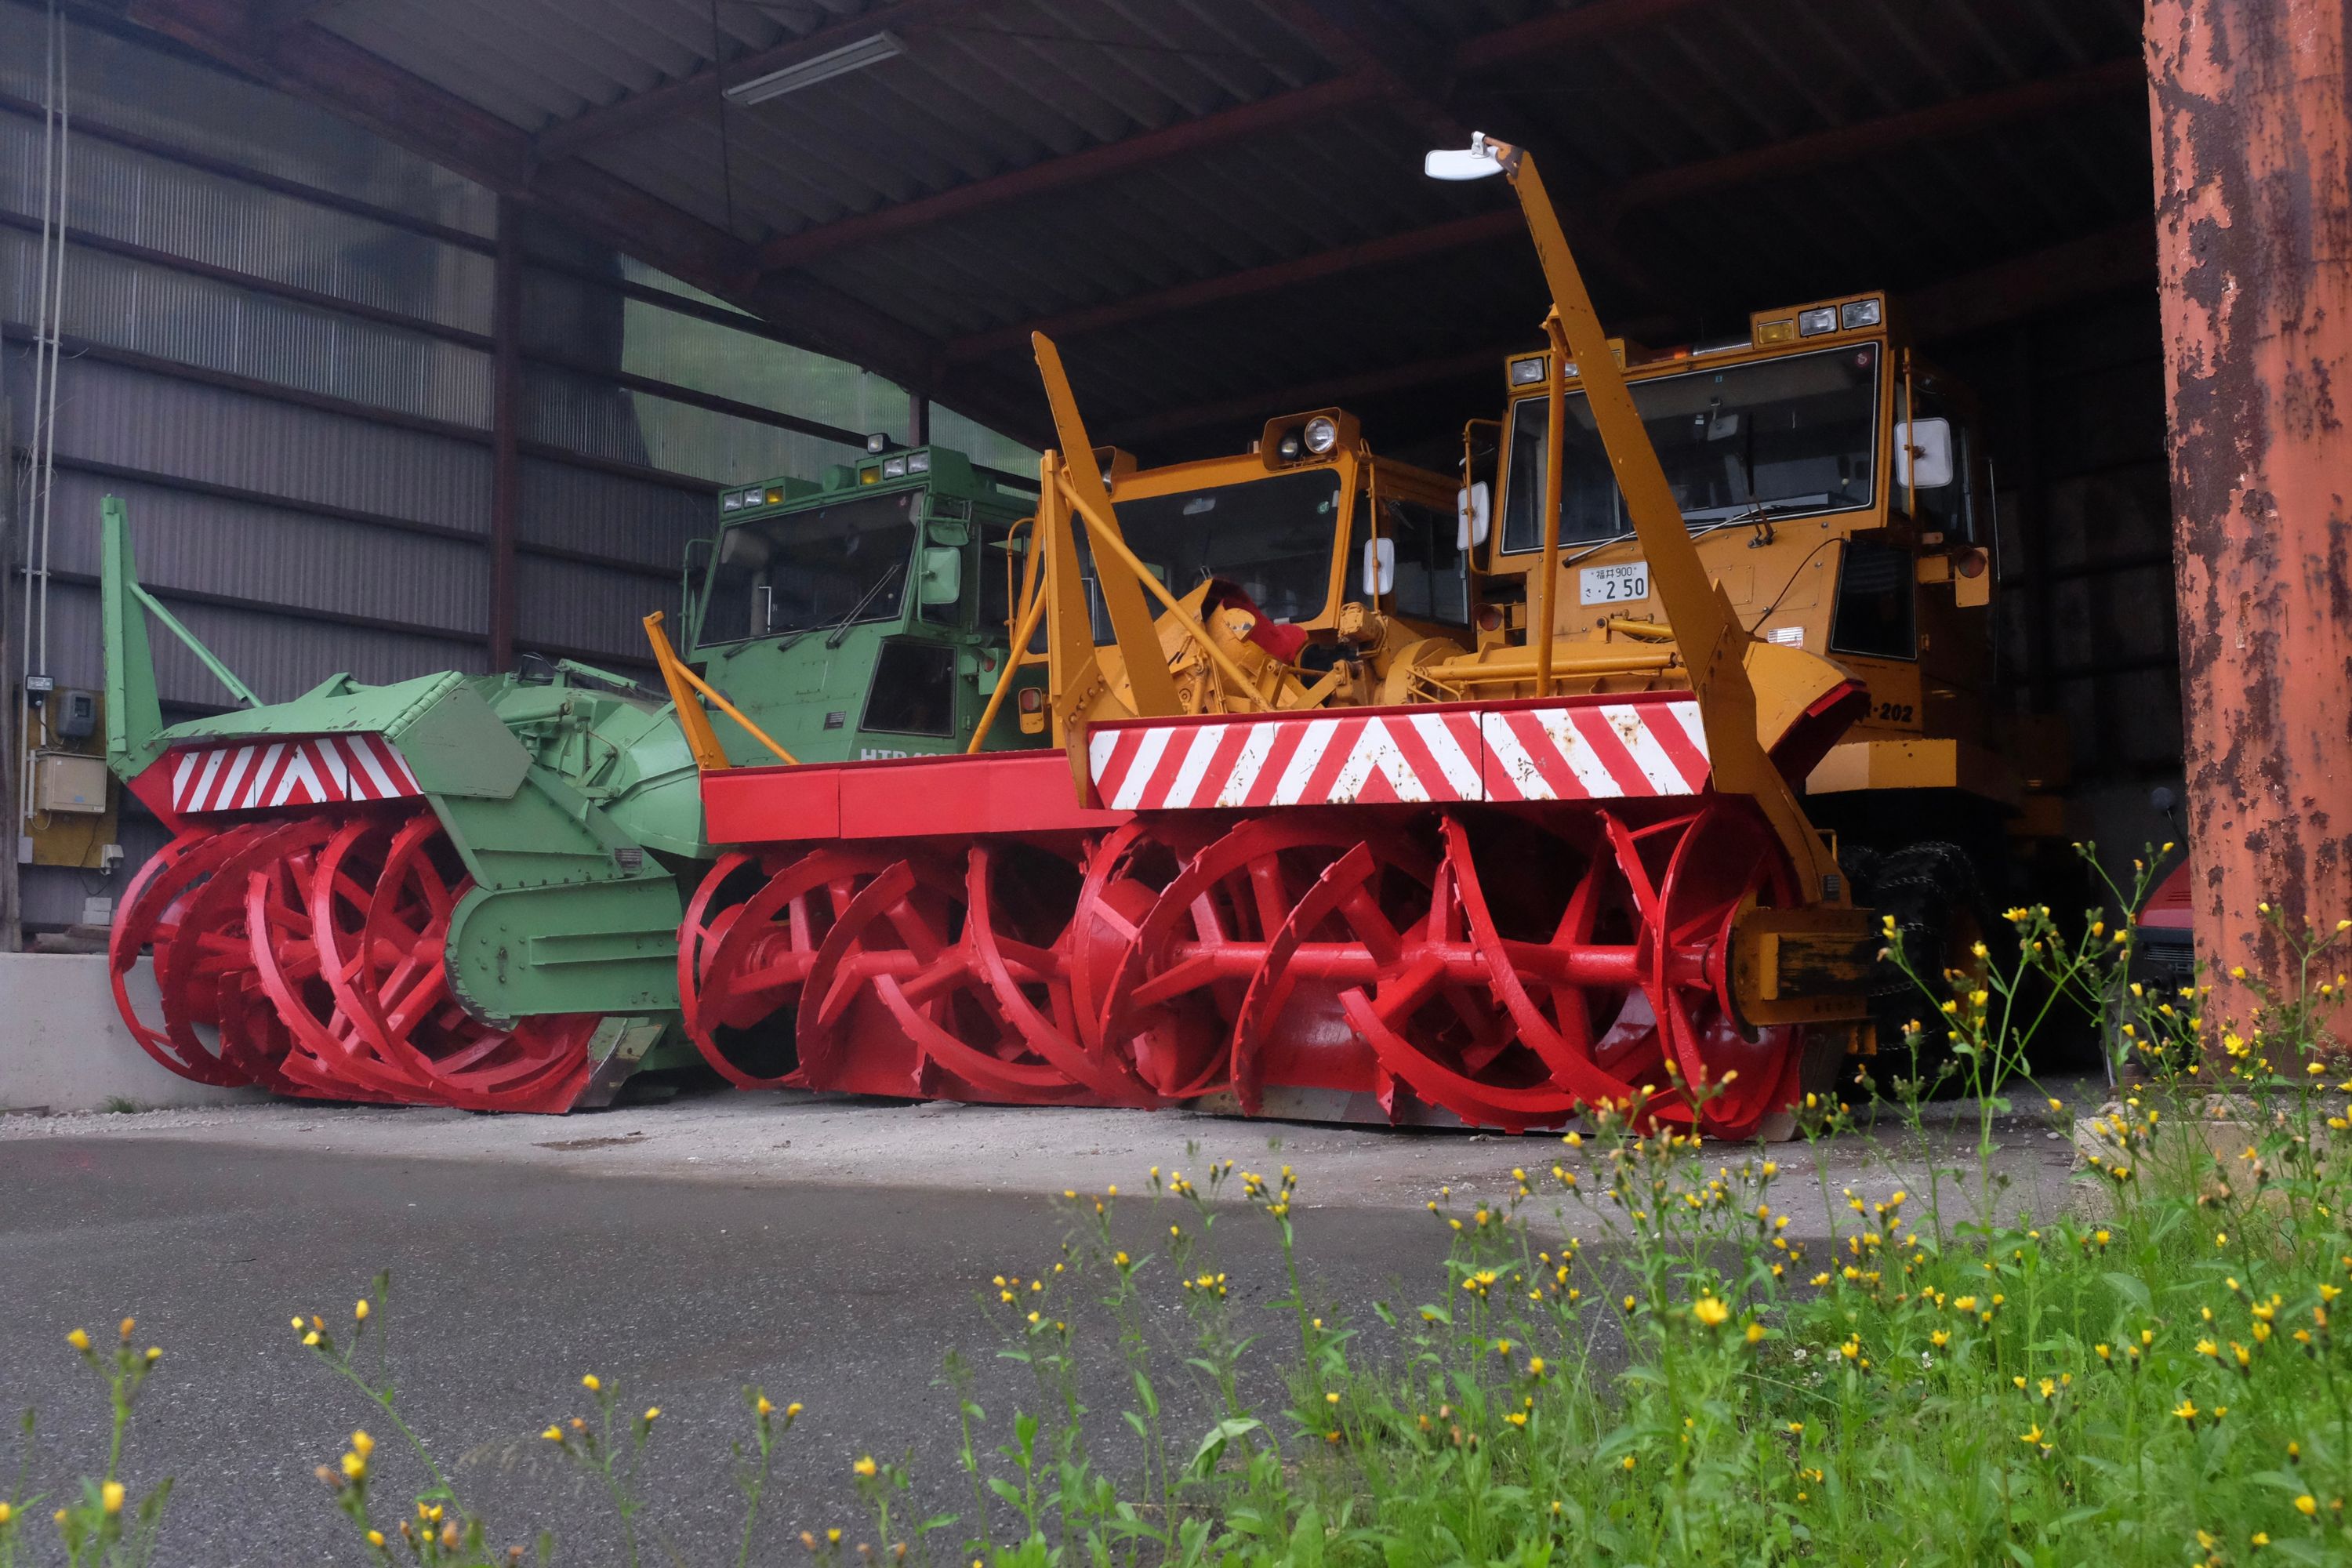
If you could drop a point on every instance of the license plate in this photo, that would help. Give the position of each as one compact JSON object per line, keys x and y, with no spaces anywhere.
{"x":1613,"y":584}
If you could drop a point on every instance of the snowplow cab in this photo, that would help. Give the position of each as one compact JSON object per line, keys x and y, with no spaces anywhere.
{"x":1836,"y":487}
{"x":859,"y":617}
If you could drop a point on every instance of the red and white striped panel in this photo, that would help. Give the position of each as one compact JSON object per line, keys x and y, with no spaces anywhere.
{"x":1603,"y":752}
{"x":1581,"y":752}
{"x":324,"y":771}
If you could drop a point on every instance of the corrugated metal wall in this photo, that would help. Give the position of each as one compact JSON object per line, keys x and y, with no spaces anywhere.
{"x":279,"y":350}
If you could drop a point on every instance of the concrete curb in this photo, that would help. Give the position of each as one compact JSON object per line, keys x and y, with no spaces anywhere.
{"x":63,"y":1046}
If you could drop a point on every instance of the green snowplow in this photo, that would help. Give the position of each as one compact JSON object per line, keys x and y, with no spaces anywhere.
{"x":466,"y":889}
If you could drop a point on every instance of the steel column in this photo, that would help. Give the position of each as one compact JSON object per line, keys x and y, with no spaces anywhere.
{"x":506,"y":413}
{"x":2253,"y":133}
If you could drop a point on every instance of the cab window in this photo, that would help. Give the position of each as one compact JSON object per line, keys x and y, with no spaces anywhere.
{"x":1875,"y":602}
{"x":914,"y":689}
{"x":1433,"y":581}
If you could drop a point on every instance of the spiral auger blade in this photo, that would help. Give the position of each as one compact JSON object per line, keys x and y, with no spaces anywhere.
{"x":878,"y":970}
{"x":1496,"y":973}
{"x":307,"y":956}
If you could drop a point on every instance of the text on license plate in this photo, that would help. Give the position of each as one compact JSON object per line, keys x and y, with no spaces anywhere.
{"x":1613,"y":584}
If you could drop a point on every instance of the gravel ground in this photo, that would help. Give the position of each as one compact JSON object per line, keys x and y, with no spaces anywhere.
{"x":795,"y":1140}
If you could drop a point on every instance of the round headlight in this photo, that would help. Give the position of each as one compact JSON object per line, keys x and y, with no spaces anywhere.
{"x":1320,"y":434}
{"x":1287,"y":447}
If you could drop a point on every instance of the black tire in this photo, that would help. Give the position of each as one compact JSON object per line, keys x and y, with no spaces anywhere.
{"x":1940,"y":911}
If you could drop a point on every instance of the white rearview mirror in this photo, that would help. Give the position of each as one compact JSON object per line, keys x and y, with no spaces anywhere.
{"x":1380,"y":567}
{"x":1474,"y":508}
{"x":1923,"y":453}
{"x":1471,"y":163}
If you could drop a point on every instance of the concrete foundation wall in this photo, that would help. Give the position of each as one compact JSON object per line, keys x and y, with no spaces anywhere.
{"x":63,"y":1046}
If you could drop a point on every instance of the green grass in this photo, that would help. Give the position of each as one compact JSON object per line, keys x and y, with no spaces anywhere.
{"x":2152,"y":1378}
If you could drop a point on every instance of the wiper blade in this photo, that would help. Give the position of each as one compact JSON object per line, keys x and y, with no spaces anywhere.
{"x":841,"y":628}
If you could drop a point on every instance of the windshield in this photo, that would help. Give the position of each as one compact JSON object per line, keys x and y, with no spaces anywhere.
{"x":809,"y":569}
{"x":1786,"y":437}
{"x":1272,"y":538}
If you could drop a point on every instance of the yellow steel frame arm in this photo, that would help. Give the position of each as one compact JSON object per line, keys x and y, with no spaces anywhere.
{"x":1713,"y":641}
{"x":1148,"y":677}
{"x":709,"y":756}
{"x":1032,"y":605}
{"x":1116,"y":543}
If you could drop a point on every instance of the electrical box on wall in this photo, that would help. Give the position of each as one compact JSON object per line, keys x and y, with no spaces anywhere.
{"x":69,"y":797}
{"x":77,"y":715}
{"x":71,"y":782}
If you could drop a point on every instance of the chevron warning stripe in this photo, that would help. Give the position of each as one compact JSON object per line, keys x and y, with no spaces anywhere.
{"x":256,"y":775}
{"x":1569,"y":751}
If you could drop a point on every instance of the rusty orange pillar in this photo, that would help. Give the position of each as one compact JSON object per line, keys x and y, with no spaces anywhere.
{"x":2254,"y":201}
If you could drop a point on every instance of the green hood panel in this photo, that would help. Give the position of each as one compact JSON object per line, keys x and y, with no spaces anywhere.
{"x":447,"y":734}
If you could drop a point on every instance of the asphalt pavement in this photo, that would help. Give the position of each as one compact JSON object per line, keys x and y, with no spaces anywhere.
{"x":833,"y":1253}
{"x":509,"y":1283}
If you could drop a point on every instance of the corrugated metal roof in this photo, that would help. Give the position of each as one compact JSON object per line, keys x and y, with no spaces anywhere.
{"x":1022,"y":159}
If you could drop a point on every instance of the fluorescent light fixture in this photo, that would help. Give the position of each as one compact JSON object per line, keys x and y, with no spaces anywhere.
{"x":818,"y":68}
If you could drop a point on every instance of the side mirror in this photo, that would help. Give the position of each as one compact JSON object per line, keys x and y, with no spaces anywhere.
{"x":1474,"y":162}
{"x":1380,"y":567}
{"x":942,"y":579}
{"x":1923,"y":453}
{"x":1474,"y":510}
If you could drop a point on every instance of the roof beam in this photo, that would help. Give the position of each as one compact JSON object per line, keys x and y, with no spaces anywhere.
{"x":277,"y":15}
{"x":1462,"y":233}
{"x":1360,"y":38}
{"x":1073,"y":169}
{"x":1373,"y":53}
{"x":566,"y":138}
{"x":2123,"y":257}
{"x":1588,"y":23}
{"x":321,"y":66}
{"x":1862,"y":138}
{"x":1821,"y":149}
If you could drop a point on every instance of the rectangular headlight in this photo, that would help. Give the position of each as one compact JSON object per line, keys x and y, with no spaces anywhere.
{"x":1783,"y":331}
{"x":1813,"y":323}
{"x":1526,"y":371}
{"x":919,"y":462}
{"x":1858,"y":313}
{"x":775,"y":495}
{"x":894,"y":467}
{"x":732,"y":501}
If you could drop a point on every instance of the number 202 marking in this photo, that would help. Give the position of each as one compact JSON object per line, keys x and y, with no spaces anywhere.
{"x":1895,"y":712}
